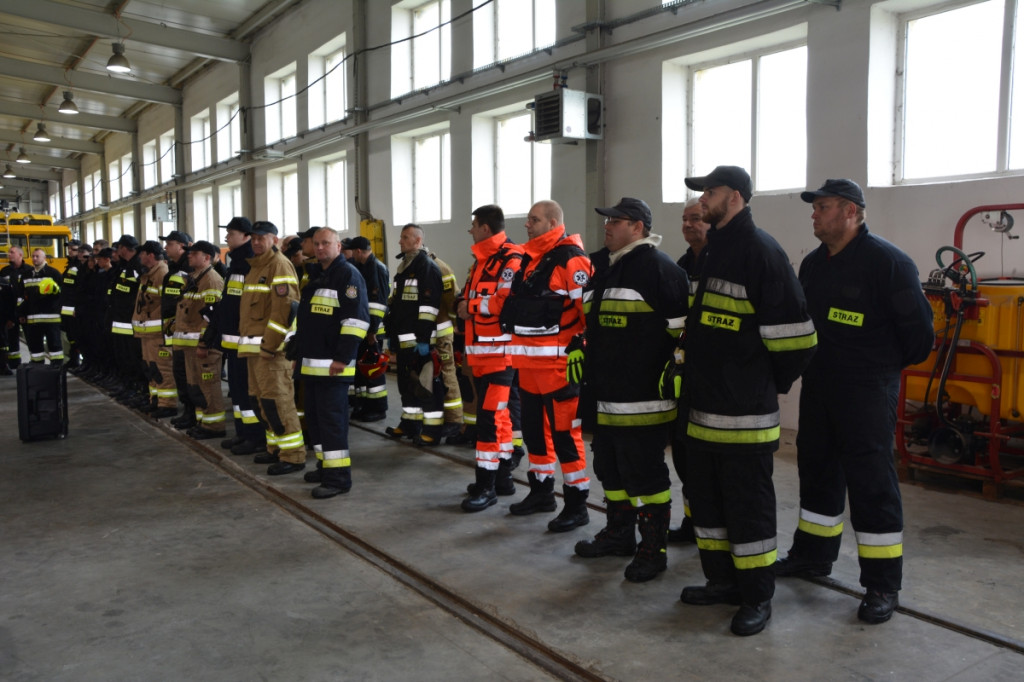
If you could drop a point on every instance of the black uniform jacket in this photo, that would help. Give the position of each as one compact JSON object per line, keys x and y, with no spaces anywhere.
{"x":869,"y":309}
{"x":748,"y":338}
{"x":635,"y":311}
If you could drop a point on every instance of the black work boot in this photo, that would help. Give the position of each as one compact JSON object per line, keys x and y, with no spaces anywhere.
{"x":618,"y":537}
{"x":406,"y":429}
{"x":540,"y":499}
{"x":485,"y":495}
{"x":684,"y":533}
{"x":574,"y":513}
{"x":650,"y":559}
{"x":503,"y":483}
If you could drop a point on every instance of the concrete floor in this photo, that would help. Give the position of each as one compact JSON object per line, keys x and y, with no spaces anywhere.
{"x":130,"y":554}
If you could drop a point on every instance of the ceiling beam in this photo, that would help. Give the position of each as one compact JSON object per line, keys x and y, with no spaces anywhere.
{"x":42,"y":161}
{"x":23,"y":171}
{"x":83,"y":146}
{"x":139,"y":30}
{"x":51,"y":115}
{"x":79,"y":80}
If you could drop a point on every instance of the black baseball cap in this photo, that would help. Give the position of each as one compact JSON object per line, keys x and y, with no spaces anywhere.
{"x":360,"y":242}
{"x":178,"y":236}
{"x":842,"y":188}
{"x":127,"y":240}
{"x":153,"y":247}
{"x":629,"y":209}
{"x":308,"y":234}
{"x":294,"y":246}
{"x":106,"y":252}
{"x":74,"y":242}
{"x":264,"y":227}
{"x":732,"y":177}
{"x":240,"y":224}
{"x":205,"y":247}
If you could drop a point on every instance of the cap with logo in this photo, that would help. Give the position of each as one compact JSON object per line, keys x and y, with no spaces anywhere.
{"x":732,"y":177}
{"x":842,"y":188}
{"x":629,"y":208}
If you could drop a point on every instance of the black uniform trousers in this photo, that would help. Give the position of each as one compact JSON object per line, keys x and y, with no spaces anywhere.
{"x":632,"y":459}
{"x":845,"y":446}
{"x":247,"y":424}
{"x":327,"y":425}
{"x":419,"y":405}
{"x":44,"y":332}
{"x":12,"y":342}
{"x":732,"y":498}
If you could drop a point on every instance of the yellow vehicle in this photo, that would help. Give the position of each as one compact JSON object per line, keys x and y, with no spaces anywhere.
{"x":33,"y":231}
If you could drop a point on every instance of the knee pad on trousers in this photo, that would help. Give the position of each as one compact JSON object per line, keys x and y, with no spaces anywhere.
{"x":195,"y":394}
{"x":269,"y":409}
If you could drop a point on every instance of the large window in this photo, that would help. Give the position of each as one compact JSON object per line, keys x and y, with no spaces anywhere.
{"x":326,"y":94}
{"x":764,"y":126}
{"x":70,"y":200}
{"x":229,"y":202}
{"x":229,"y":128}
{"x":283,"y":199}
{"x":328,"y":192}
{"x":201,"y":147}
{"x":279,"y":95}
{"x":522,"y":169}
{"x":167,"y":163}
{"x":421,"y":53}
{"x":150,"y":172}
{"x":967,"y":50}
{"x":508,"y":28}
{"x":93,"y":190}
{"x":431,"y":176}
{"x":202,"y":206}
{"x":114,"y":179}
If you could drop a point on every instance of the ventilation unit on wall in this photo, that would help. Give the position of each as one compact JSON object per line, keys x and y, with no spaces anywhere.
{"x":564,"y":115}
{"x":162,"y":213}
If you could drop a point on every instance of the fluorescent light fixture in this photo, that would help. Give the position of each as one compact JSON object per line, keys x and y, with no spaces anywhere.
{"x":118,"y":63}
{"x":68,"y":106}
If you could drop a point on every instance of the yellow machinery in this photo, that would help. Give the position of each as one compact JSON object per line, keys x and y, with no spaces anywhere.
{"x":961,"y":410}
{"x":33,"y":231}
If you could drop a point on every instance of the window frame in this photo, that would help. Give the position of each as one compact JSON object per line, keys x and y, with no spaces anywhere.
{"x":1011,"y":17}
{"x":534,"y":194}
{"x":442,"y":172}
{"x":754,"y":56}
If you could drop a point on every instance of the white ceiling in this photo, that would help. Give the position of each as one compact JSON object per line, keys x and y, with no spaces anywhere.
{"x":55,"y":45}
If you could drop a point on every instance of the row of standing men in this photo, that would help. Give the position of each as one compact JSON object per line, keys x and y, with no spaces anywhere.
{"x":598,"y":341}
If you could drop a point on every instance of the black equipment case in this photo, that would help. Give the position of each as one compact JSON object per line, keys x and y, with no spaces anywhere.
{"x":42,"y":401}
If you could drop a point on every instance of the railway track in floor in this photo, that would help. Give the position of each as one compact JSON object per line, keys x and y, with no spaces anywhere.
{"x":504,"y":631}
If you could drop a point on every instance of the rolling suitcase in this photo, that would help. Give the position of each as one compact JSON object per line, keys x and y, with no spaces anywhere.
{"x":42,"y":402}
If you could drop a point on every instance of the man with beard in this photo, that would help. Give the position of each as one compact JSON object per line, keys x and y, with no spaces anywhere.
{"x":748,"y":338}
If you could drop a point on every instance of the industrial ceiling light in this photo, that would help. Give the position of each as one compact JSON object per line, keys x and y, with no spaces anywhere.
{"x":41,"y":135}
{"x":8,"y":173}
{"x":23,"y":157}
{"x":68,"y":106}
{"x":118,"y":63}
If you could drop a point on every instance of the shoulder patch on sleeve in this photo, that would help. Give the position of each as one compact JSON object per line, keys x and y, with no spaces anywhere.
{"x":581,"y":278}
{"x":351,"y":291}
{"x":281,"y":289}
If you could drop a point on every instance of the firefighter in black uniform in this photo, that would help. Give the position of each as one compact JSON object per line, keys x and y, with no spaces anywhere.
{"x":695,"y":232}
{"x":39,"y":310}
{"x":636,"y":299}
{"x":411,"y":322}
{"x":178,"y":268}
{"x":127,"y":349}
{"x":92,"y":316}
{"x":748,"y":338}
{"x":332,"y":321}
{"x":371,"y":391}
{"x":249,"y":438}
{"x":10,"y":278}
{"x":68,"y":299}
{"x":873,"y":320}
